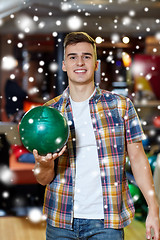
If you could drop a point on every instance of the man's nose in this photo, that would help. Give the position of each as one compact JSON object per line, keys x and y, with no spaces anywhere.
{"x":80,"y":61}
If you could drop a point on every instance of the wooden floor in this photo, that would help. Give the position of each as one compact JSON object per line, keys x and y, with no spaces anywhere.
{"x":135,"y":231}
{"x":19,"y":228}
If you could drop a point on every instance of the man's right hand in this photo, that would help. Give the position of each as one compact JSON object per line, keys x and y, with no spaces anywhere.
{"x":44,"y":166}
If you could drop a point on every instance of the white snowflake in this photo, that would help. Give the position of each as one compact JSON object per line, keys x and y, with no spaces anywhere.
{"x":35,"y":215}
{"x":74,"y":22}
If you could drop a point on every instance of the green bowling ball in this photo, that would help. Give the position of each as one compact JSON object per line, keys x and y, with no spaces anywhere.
{"x":140,"y":204}
{"x":128,"y":165}
{"x":152,"y":161}
{"x":135,"y":192}
{"x":45,"y":129}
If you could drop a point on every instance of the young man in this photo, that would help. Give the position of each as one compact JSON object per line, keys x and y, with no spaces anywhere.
{"x":87,"y":195}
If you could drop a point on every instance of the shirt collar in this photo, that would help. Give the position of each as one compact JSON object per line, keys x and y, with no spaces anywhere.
{"x":96,"y":96}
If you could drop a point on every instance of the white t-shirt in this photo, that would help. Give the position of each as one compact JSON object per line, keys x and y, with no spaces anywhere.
{"x":88,"y":199}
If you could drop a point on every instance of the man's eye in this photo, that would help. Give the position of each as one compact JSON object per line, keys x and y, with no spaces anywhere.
{"x":86,"y":57}
{"x":72,"y":57}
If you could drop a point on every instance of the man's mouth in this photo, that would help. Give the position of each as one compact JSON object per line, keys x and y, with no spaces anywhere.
{"x":80,"y":71}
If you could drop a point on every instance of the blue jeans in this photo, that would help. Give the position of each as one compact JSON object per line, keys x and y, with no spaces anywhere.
{"x":85,"y":229}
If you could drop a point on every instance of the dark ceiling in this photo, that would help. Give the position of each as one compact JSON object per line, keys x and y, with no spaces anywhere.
{"x":103,"y":17}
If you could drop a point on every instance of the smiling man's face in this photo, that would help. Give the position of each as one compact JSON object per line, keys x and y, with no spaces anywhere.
{"x":80,"y":63}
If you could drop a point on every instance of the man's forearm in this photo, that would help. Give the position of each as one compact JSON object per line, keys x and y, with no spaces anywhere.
{"x":142,"y":174}
{"x":143,"y":177}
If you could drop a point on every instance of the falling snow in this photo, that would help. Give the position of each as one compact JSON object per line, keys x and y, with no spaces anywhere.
{"x":75,"y":22}
{"x":35,"y":215}
{"x":6,"y":175}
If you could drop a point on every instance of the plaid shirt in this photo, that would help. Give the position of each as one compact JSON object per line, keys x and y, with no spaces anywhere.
{"x":115,"y":123}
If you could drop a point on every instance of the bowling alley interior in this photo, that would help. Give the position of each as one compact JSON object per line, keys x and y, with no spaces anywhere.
{"x":127,"y":35}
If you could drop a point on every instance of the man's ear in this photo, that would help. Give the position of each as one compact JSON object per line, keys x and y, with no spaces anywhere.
{"x":96,"y":65}
{"x":63,"y":66}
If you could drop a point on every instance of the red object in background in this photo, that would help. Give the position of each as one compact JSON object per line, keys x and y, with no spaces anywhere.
{"x":23,"y":173}
{"x":18,"y":150}
{"x":156,"y":121}
{"x":28,"y":105}
{"x":149,"y":66}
